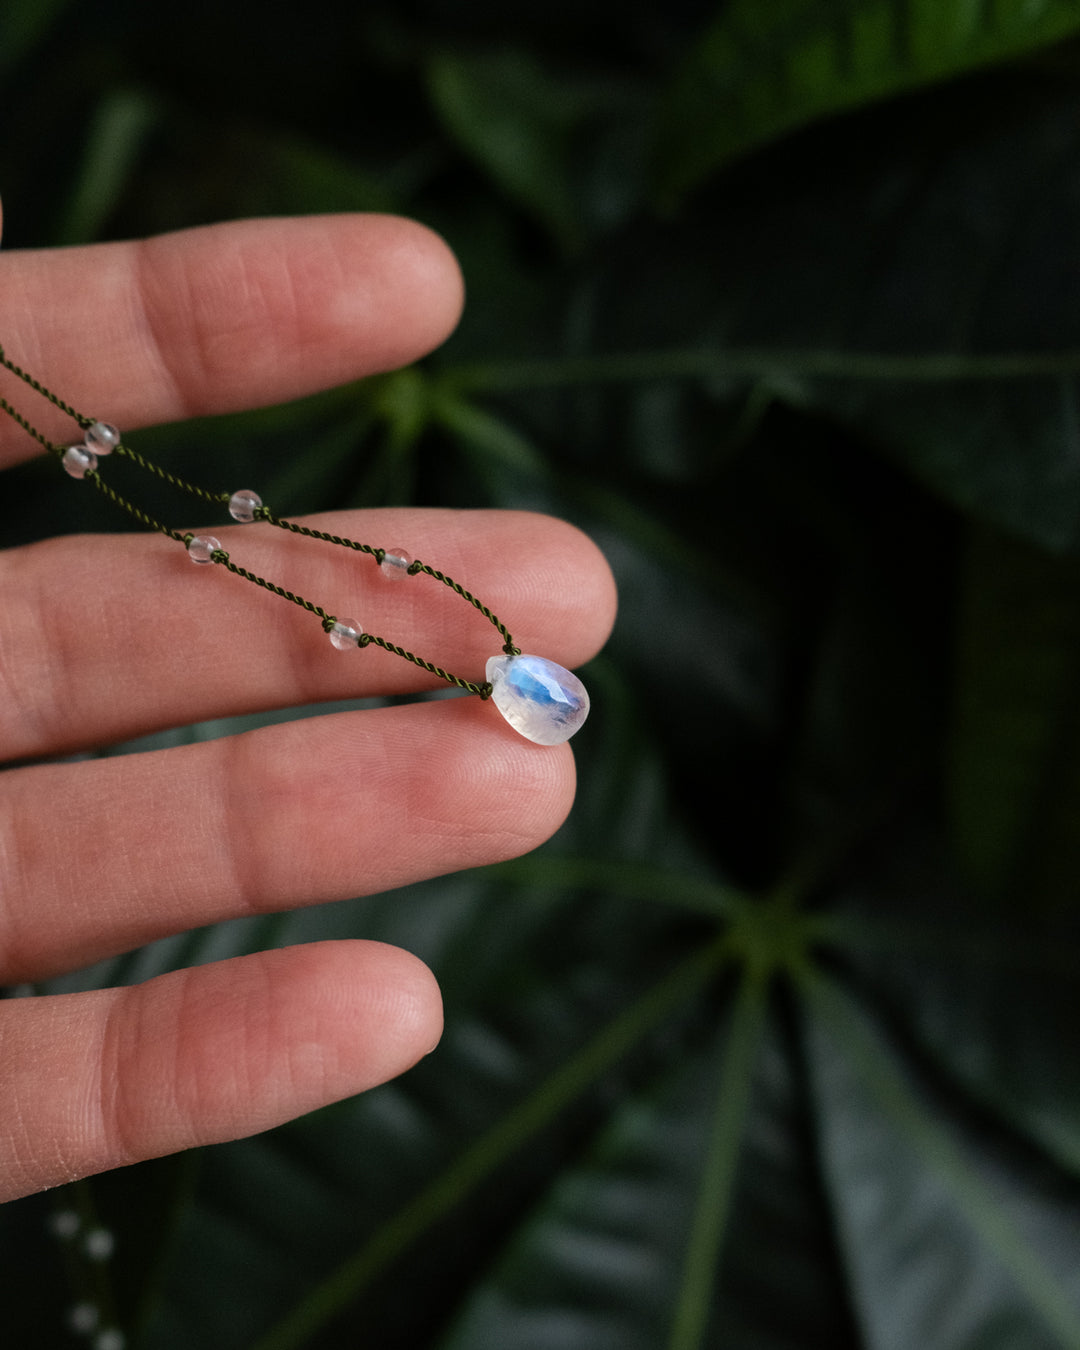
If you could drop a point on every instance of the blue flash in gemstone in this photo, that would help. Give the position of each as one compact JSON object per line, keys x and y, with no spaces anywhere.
{"x":540,"y":700}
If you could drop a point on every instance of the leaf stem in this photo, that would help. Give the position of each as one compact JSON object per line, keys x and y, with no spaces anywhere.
{"x":695,"y":1301}
{"x":757,"y":363}
{"x":626,"y":878}
{"x":477,"y":1163}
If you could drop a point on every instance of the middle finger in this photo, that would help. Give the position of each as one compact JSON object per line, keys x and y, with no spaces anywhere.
{"x":103,"y":638}
{"x":100,"y":857}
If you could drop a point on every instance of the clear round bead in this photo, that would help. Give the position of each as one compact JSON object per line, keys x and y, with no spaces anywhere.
{"x":202,"y":548}
{"x":65,"y":1223}
{"x":79,"y":461}
{"x":395,"y":564}
{"x":345,"y":634}
{"x":99,"y":1244}
{"x":102,"y":438}
{"x":83,"y":1317}
{"x":243,"y":505}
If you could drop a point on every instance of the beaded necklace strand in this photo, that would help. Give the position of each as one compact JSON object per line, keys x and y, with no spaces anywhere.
{"x":541,"y":700}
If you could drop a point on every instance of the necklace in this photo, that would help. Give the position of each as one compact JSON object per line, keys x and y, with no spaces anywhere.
{"x":541,"y":700}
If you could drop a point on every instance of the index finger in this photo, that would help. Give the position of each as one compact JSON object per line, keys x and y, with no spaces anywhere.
{"x":219,"y":318}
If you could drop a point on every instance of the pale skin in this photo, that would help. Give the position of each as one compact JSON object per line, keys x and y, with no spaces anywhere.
{"x":99,"y":856}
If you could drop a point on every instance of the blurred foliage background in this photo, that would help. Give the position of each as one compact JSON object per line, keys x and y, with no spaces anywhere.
{"x":774,"y":1045}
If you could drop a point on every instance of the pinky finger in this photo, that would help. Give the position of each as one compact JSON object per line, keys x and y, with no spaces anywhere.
{"x":99,"y":1080}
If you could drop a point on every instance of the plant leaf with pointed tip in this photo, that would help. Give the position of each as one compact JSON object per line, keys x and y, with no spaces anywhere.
{"x":760,"y":71}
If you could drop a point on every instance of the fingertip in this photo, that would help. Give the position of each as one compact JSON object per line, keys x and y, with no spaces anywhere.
{"x":476,"y":791}
{"x":290,"y":305}
{"x":433,"y":275}
{"x":597,"y":596}
{"x":394,"y":290}
{"x":567,"y":595}
{"x":204,"y":1055}
{"x":349,"y":1015}
{"x":226,"y":1050}
{"x":231,"y":316}
{"x":411,"y":999}
{"x":539,"y":783}
{"x":486,"y":796}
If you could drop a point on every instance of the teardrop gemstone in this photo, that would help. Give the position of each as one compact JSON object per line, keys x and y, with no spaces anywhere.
{"x":541,"y":700}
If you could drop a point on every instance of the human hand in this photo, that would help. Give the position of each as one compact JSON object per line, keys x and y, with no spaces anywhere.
{"x":104,"y":638}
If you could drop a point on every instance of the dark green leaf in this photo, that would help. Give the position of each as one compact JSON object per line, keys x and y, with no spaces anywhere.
{"x":121,"y":125}
{"x":762,"y":70}
{"x":622,"y":1253}
{"x":807,"y":421}
{"x":23,"y":24}
{"x":1014,"y":780}
{"x":882,"y":274}
{"x":516,"y":121}
{"x":985,"y":991}
{"x":967,"y":1262}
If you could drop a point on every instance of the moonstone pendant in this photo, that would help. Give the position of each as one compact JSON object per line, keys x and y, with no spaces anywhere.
{"x":541,"y":700}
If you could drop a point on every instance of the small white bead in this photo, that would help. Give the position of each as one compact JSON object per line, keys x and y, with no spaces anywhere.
{"x":102,"y":437}
{"x":65,"y":1223}
{"x":243,"y":505}
{"x":110,"y":1339}
{"x":78,"y":460}
{"x":99,"y":1244}
{"x":395,"y":564}
{"x":202,"y":547}
{"x":83,"y":1318}
{"x":346,"y":633}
